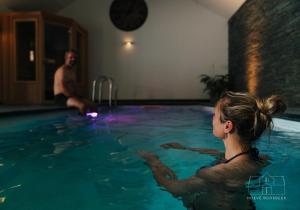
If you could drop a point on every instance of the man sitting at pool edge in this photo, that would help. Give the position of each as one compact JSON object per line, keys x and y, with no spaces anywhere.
{"x":64,"y":87}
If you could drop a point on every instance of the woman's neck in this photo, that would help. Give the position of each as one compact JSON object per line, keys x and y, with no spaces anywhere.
{"x":233,"y":146}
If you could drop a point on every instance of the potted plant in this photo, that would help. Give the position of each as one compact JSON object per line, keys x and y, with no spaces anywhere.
{"x":215,"y":85}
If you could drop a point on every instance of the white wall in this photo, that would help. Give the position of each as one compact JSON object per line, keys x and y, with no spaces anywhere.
{"x":179,"y":41}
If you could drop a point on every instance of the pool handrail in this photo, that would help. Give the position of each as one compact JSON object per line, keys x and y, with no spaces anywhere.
{"x":100,"y":80}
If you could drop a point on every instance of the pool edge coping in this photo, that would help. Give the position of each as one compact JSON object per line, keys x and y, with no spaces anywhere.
{"x":279,"y":124}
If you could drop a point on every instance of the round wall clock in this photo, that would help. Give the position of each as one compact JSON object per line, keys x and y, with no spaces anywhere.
{"x":128,"y":15}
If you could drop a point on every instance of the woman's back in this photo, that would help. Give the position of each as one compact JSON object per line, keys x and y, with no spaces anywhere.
{"x":225,"y":185}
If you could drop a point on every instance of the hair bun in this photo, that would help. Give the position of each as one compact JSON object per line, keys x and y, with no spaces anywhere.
{"x":272,"y":105}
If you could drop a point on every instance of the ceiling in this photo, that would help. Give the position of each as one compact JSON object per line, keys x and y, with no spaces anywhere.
{"x":225,"y":8}
{"x":30,"y":5}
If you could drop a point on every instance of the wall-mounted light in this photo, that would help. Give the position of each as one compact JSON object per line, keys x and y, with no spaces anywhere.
{"x":128,"y":44}
{"x":31,"y":55}
{"x":31,"y":51}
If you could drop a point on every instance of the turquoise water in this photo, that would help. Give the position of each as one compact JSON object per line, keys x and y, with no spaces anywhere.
{"x":65,"y":161}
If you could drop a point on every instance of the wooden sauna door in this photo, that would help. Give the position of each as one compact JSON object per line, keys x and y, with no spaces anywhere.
{"x":24,"y":86}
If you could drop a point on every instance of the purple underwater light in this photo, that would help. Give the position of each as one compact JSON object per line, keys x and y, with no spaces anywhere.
{"x":92,"y":114}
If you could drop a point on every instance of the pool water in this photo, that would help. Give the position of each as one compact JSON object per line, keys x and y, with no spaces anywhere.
{"x":66,"y":161}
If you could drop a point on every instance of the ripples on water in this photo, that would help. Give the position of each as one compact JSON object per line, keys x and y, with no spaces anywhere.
{"x":65,"y":161}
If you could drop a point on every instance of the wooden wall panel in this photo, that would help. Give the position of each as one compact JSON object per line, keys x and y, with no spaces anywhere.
{"x":31,"y":92}
{"x":1,"y":60}
{"x":5,"y":59}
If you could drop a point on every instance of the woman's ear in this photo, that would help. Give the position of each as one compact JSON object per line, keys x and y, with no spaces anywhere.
{"x":228,"y":126}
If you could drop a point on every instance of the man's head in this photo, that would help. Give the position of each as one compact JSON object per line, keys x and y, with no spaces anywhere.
{"x":71,"y":58}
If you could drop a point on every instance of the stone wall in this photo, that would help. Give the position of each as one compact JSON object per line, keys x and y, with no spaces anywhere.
{"x":264,"y":49}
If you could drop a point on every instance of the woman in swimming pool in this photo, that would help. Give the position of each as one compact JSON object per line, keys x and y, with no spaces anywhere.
{"x":239,"y":120}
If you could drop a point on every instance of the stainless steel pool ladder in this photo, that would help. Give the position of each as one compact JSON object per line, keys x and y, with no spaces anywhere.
{"x":111,"y":87}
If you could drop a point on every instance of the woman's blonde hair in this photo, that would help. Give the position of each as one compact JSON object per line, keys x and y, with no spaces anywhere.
{"x":250,"y":116}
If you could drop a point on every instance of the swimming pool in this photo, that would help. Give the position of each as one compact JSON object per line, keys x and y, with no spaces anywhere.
{"x":65,"y":161}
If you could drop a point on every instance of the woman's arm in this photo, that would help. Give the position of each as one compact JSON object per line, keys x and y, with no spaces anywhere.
{"x":166,"y":178}
{"x":200,"y":150}
{"x":155,"y":164}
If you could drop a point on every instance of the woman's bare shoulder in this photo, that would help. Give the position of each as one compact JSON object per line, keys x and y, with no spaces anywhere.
{"x":237,"y":170}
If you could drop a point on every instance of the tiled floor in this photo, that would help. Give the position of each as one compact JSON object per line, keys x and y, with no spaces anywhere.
{"x":11,"y":108}
{"x":8,"y":110}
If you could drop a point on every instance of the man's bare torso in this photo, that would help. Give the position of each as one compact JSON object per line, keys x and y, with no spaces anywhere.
{"x":64,"y":81}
